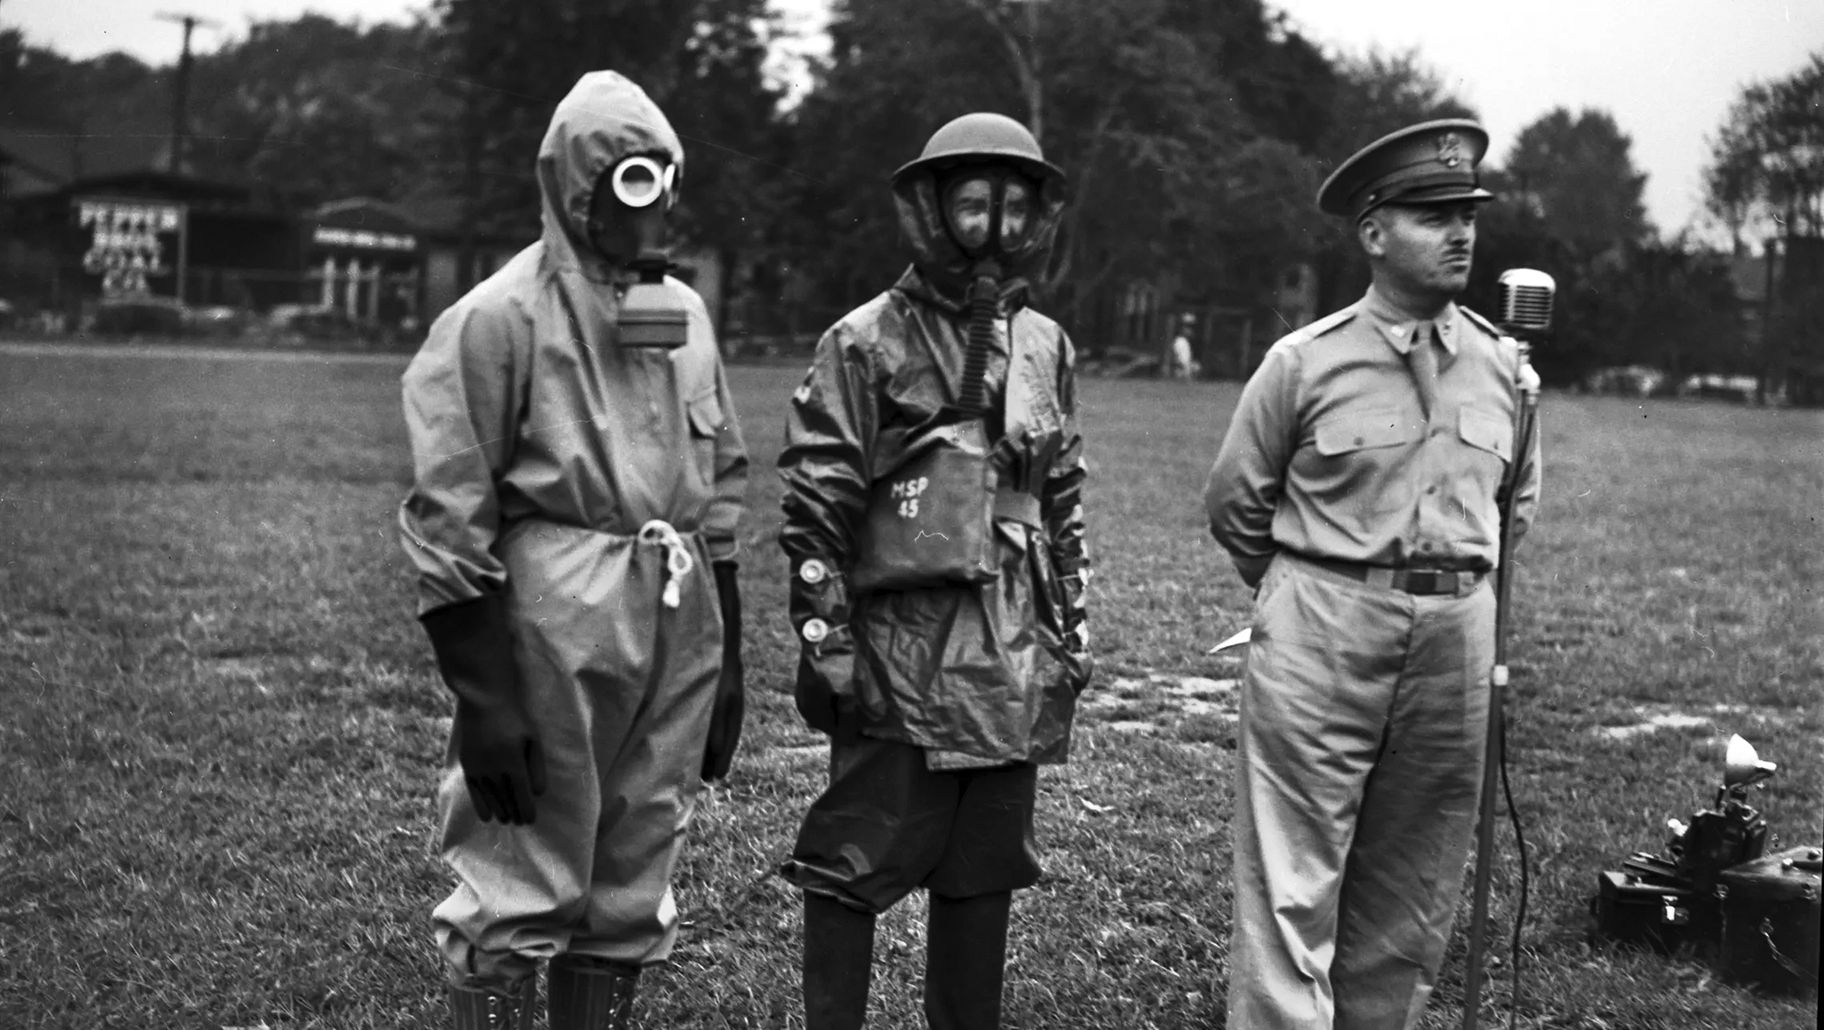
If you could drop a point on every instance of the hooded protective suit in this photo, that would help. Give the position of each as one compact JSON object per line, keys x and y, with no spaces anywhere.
{"x":542,"y":449}
{"x":964,"y":670}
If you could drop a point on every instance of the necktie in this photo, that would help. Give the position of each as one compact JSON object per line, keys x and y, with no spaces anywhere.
{"x":1422,"y":360}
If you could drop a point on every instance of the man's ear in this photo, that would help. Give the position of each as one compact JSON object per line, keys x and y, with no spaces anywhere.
{"x":1372,"y":235}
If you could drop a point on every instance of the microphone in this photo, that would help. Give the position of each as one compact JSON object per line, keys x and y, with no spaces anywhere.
{"x":1526,"y":301}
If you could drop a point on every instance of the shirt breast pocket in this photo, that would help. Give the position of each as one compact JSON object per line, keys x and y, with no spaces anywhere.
{"x":1487,"y":448}
{"x":1486,"y":431}
{"x":1347,"y":433}
{"x":1361,"y":458}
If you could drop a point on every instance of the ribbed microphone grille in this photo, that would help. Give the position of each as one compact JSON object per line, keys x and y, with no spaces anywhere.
{"x":1529,"y":306}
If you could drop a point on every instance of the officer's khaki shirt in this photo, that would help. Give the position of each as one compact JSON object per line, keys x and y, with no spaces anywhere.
{"x":1330,"y":455}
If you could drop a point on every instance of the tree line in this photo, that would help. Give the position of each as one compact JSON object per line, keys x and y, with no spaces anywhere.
{"x":1194,"y":133}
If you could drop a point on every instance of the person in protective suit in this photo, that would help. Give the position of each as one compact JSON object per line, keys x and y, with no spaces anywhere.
{"x":578,"y":478}
{"x":932,"y":470}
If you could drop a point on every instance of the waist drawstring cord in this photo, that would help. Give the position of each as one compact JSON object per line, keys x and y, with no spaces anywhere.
{"x":678,"y":559}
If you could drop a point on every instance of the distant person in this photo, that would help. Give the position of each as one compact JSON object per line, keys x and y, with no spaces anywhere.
{"x":942,"y":626}
{"x":1357,"y":492}
{"x":1184,"y":364}
{"x":578,"y":478}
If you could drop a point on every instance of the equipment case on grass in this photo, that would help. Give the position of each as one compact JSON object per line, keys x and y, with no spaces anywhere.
{"x":1648,"y":911}
{"x":1770,"y":916}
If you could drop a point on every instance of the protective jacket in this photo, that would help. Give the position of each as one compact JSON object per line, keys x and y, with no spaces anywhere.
{"x":542,"y":449}
{"x":971,"y":669}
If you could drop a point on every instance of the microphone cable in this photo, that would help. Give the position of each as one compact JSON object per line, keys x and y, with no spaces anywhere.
{"x":1513,"y":815}
{"x":1529,"y":431}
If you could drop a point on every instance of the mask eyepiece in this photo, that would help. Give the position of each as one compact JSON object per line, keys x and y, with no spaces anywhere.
{"x":640,"y":182}
{"x":989,"y":213}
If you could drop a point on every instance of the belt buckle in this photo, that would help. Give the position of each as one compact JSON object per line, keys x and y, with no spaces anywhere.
{"x":1421,"y":581}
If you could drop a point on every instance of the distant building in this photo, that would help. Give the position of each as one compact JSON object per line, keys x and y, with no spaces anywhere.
{"x":153,"y":233}
{"x":1795,"y":320}
{"x":1748,"y":272}
{"x":73,"y":242}
{"x":33,"y":160}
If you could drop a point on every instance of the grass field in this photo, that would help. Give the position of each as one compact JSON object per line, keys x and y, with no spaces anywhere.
{"x":219,"y":724}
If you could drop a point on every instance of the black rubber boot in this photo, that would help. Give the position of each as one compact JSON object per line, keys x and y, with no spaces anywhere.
{"x":477,"y":1008}
{"x":590,"y":994}
{"x":965,"y":958}
{"x":838,"y":962}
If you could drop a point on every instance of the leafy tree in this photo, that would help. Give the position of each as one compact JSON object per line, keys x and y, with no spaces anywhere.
{"x":32,"y":81}
{"x":318,"y":110}
{"x":122,"y":113}
{"x":1794,"y":355}
{"x":1569,"y":203}
{"x":311,"y":109}
{"x":734,"y":140}
{"x":1173,"y":120}
{"x":895,"y":72}
{"x":1576,"y":174}
{"x":110,"y":111}
{"x":509,"y":65}
{"x":1767,"y":176}
{"x":1377,"y":92}
{"x":1682,"y":314}
{"x":701,"y":61}
{"x":1285,"y":85}
{"x":1767,"y":161}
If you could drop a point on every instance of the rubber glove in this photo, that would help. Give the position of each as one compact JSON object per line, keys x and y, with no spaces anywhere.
{"x":501,"y":757}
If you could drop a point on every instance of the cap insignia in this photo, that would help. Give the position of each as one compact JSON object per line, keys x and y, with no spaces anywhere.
{"x":1450,"y":149}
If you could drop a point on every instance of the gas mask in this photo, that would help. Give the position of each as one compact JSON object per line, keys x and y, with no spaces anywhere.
{"x":990,"y":213}
{"x":627,"y":227}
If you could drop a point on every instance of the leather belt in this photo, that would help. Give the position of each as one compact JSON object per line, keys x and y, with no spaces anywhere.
{"x":1424,"y":582}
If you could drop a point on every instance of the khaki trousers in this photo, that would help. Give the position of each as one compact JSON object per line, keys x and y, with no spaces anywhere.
{"x":1364,"y":712}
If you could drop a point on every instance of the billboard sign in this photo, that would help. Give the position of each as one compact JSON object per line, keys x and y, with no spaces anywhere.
{"x":131,"y":243}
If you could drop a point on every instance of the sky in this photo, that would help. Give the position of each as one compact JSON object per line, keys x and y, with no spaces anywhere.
{"x":1667,"y":70}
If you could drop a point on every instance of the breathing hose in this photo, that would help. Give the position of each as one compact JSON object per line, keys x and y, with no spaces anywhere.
{"x":984,"y":302}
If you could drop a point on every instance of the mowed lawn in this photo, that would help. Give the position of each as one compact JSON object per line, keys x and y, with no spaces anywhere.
{"x":220,"y":726}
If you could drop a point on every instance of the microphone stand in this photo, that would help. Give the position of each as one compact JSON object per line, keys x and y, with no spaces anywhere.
{"x":1527,"y":385}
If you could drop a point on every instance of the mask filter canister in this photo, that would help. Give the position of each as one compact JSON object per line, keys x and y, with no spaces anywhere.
{"x":652,"y":313}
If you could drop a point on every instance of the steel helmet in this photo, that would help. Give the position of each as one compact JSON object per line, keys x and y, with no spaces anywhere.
{"x":983,"y":136}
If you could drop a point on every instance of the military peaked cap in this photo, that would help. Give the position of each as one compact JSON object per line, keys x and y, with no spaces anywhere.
{"x":1428,"y":163}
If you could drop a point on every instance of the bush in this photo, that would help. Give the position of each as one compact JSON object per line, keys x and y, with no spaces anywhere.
{"x":128,"y":316}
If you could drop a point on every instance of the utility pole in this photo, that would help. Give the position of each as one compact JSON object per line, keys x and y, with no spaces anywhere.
{"x":180,"y":101}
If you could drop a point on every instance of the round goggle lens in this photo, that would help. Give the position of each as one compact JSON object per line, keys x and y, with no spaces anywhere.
{"x":641,"y":181}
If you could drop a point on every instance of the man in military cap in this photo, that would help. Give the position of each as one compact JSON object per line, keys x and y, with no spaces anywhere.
{"x":1356,"y":492}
